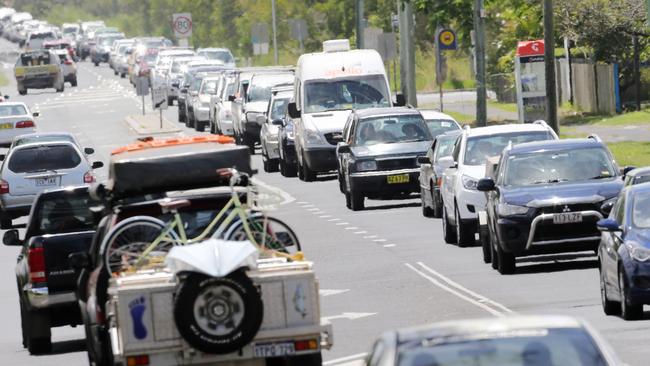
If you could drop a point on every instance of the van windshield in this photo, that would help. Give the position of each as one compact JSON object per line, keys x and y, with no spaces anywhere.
{"x":367,"y":91}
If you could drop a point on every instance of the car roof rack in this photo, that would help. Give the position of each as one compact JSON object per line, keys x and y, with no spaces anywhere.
{"x":594,"y":137}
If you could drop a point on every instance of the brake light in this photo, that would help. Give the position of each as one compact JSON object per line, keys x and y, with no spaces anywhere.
{"x":67,"y":62}
{"x":89,"y":177}
{"x":25,"y":124}
{"x":141,"y":360}
{"x":36,"y":261}
{"x":4,"y":187}
{"x":305,"y":345}
{"x":439,"y":182}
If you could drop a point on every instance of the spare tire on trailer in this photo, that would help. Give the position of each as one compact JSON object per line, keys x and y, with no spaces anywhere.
{"x":218,"y":315}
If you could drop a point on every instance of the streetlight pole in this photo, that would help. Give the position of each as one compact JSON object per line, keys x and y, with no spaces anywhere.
{"x":360,"y":8}
{"x":549,"y":64}
{"x":479,"y":50}
{"x":275,"y":35}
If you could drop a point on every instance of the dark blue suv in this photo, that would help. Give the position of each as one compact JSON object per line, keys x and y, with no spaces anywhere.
{"x":624,"y":254}
{"x":546,"y":198}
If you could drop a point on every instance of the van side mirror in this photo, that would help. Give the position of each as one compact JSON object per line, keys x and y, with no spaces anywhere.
{"x":11,"y":238}
{"x":89,"y":150}
{"x":485,"y":185}
{"x":231,"y":98}
{"x":278,"y":122}
{"x":261,"y":119}
{"x":400,"y":100}
{"x":293,"y":111}
{"x":424,"y":160}
{"x":447,"y":162}
{"x":79,"y":260}
{"x":36,"y":114}
{"x":343,"y":148}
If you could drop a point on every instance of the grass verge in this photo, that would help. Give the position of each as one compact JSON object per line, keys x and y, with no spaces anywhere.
{"x":3,"y":79}
{"x":506,"y":107}
{"x":631,"y":153}
{"x":626,"y":119}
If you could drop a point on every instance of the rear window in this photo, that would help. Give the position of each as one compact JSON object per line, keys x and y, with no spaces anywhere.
{"x":34,"y":59}
{"x":65,"y":214}
{"x":43,"y":158}
{"x":12,"y":110}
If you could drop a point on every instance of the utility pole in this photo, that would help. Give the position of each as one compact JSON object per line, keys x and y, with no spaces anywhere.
{"x":275,"y":36}
{"x":637,"y":75}
{"x":407,"y":52}
{"x":549,"y":63}
{"x":479,"y":50}
{"x":360,"y":12}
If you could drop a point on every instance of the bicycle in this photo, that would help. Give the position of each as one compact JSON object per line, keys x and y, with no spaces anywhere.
{"x":132,"y":242}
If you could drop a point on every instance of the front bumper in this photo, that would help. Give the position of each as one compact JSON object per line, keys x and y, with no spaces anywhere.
{"x":321,"y":159}
{"x":39,"y":297}
{"x":375,"y":183}
{"x":470,"y":202}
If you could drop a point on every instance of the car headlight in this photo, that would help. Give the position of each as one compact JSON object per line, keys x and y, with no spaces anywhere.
{"x":469,"y":182}
{"x":511,"y":210}
{"x":289,"y":131}
{"x":637,"y":252}
{"x":607,"y":205}
{"x":367,"y":165}
{"x":313,"y":137}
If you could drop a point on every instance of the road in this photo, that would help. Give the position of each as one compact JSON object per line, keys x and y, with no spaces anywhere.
{"x":379,"y":269}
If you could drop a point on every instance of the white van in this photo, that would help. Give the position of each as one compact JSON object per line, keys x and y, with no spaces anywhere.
{"x":328,"y":85}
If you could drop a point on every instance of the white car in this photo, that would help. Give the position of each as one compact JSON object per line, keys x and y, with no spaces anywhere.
{"x":222,"y":54}
{"x":438,"y":122}
{"x":28,"y":169}
{"x":461,"y":200}
{"x":221,"y":109}
{"x":281,"y":95}
{"x":15,"y":119}
{"x":68,"y":66}
{"x":201,"y":103}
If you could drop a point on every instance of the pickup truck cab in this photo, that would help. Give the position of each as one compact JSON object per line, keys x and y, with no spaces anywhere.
{"x":60,"y":223}
{"x":39,"y":69}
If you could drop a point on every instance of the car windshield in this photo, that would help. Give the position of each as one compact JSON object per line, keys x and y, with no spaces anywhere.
{"x":196,"y":84}
{"x":260,"y":87}
{"x":279,"y":108}
{"x":641,"y":211}
{"x":48,"y":35}
{"x":230,"y":89}
{"x":558,"y":166}
{"x":224,"y":56}
{"x":64,"y":214}
{"x":391,"y":129}
{"x":346,"y":93}
{"x":44,"y":158}
{"x":177,"y":65}
{"x":12,"y":110}
{"x":480,"y":148}
{"x":564,"y":346}
{"x":209,"y":87}
{"x":440,"y":126}
{"x":445,"y":147}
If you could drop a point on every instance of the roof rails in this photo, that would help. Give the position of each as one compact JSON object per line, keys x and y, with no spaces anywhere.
{"x":595,"y":137}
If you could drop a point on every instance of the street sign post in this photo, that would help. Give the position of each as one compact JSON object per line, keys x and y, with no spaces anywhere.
{"x":182,"y":26}
{"x":445,"y":41}
{"x":260,"y":38}
{"x":142,"y":88}
{"x":159,"y":101}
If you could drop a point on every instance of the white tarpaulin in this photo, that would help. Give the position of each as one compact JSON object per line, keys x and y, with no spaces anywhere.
{"x":213,"y":257}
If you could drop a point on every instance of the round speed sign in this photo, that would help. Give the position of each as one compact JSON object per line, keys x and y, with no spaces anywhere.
{"x":182,"y":25}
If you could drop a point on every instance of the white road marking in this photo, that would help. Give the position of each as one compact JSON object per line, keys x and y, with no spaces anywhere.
{"x":361,"y":232}
{"x":286,"y":197}
{"x":390,"y":245}
{"x":351,"y":228}
{"x":331,"y":220}
{"x":380,"y":240}
{"x":348,"y":316}
{"x":313,"y":209}
{"x":342,"y":223}
{"x":345,"y":361}
{"x":324,"y":216}
{"x":370,"y":237}
{"x":326,"y":293}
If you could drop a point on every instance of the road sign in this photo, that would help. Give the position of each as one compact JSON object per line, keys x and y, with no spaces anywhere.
{"x":260,"y":38}
{"x":182,"y":25}
{"x":142,"y":85}
{"x":159,"y":98}
{"x":447,"y":40}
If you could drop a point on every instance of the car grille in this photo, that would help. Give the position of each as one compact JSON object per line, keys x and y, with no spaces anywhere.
{"x":397,"y":163}
{"x":548,"y":231}
{"x":334,"y":138}
{"x":573,"y":208}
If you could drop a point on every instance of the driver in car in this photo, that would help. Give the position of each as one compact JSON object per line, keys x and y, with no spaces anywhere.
{"x":412,"y":132}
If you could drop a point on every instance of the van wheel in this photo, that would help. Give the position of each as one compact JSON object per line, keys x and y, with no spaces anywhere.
{"x":307,"y":174}
{"x":448,"y":230}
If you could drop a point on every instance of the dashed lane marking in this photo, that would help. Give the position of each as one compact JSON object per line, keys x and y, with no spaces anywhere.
{"x":346,"y":361}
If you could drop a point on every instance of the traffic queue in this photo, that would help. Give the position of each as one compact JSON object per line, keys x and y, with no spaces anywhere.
{"x":133,"y":270}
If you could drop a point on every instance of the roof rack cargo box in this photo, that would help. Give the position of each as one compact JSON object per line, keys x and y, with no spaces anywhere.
{"x":143,"y":168}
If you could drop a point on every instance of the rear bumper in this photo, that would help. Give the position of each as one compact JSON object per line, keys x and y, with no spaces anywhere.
{"x":39,"y":297}
{"x":14,"y":207}
{"x":376,"y":182}
{"x":252,"y":130}
{"x":39,"y":82}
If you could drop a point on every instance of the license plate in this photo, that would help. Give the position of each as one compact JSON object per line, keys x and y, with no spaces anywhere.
{"x":567,"y":218}
{"x":6,"y":126}
{"x":397,"y":179}
{"x":274,"y":349}
{"x":46,"y":182}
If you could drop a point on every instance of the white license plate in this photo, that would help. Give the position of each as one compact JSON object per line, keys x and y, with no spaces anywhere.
{"x":274,"y":349}
{"x":46,"y":182}
{"x":567,"y":218}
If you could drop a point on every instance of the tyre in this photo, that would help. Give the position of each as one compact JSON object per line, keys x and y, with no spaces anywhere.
{"x":199,"y":126}
{"x":506,"y":264}
{"x":493,"y":251}
{"x":341,"y":181}
{"x":23,"y":322}
{"x":61,"y":88}
{"x":122,"y":75}
{"x":38,"y":332}
{"x":629,"y":309}
{"x":609,"y":307}
{"x":308,"y":175}
{"x":96,"y":64}
{"x":287,"y":170}
{"x":250,"y":143}
{"x":126,"y":242}
{"x":426,"y":211}
{"x":73,"y":82}
{"x":437,"y":204}
{"x":182,"y":118}
{"x":448,"y":230}
{"x":22,"y":92}
{"x":484,"y":237}
{"x":270,"y":165}
{"x":114,"y":72}
{"x":267,"y":231}
{"x":314,"y":359}
{"x":464,"y":232}
{"x":170,"y":101}
{"x":356,"y":200}
{"x":218,"y":315}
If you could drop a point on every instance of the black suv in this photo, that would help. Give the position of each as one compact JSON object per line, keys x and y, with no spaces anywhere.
{"x":547,"y":198}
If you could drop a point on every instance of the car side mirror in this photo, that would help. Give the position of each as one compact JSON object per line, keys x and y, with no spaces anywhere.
{"x":11,"y":238}
{"x":261,"y":119}
{"x":485,"y":185}
{"x":626,"y":170}
{"x":424,"y":160}
{"x":231,"y":98}
{"x":293,"y":111}
{"x":447,"y":162}
{"x":608,"y":225}
{"x":79,"y":260}
{"x":184,"y":90}
{"x":97,"y":164}
{"x":175,"y":85}
{"x":344,"y":148}
{"x":89,"y":150}
{"x":2,"y":157}
{"x":36,"y":114}
{"x":400,"y":100}
{"x":6,"y":97}
{"x":278,"y":122}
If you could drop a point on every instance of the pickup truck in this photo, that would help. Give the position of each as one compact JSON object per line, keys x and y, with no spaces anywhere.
{"x":39,"y":69}
{"x":60,"y":223}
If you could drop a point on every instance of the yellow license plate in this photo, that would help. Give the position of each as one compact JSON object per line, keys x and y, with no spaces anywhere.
{"x":6,"y":126}
{"x":397,"y":179}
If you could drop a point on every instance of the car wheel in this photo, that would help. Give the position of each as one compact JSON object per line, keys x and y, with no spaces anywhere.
{"x":629,"y":310}
{"x":437,"y":204}
{"x":265,"y":163}
{"x":73,"y":82}
{"x":609,"y":307}
{"x":289,"y":169}
{"x":23,"y":322}
{"x":199,"y":126}
{"x":448,"y":230}
{"x":426,"y":211}
{"x":464,"y":233}
{"x":307,"y":174}
{"x":96,"y":64}
{"x":170,"y":101}
{"x":493,"y":254}
{"x":341,"y":182}
{"x":506,"y":262}
{"x":356,"y":200}
{"x":123,"y":75}
{"x":484,"y":237}
{"x":114,"y":72}
{"x":22,"y":92}
{"x":38,"y":332}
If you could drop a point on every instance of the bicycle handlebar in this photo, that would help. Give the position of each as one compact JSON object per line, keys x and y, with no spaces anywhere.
{"x":234,"y":176}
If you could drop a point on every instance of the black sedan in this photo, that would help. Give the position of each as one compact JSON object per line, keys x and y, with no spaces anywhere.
{"x":378,"y":157}
{"x":548,"y":197}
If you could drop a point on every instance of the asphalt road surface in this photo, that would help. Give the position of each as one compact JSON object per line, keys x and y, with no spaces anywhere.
{"x":383,"y":268}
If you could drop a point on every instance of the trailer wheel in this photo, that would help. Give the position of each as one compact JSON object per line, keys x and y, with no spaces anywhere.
{"x":218,"y":315}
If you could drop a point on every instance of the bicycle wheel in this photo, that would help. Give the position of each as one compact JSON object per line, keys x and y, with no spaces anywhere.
{"x":277,"y":236}
{"x":127,"y":241}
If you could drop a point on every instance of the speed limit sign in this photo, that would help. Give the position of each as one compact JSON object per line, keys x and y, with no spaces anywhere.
{"x":182,"y":25}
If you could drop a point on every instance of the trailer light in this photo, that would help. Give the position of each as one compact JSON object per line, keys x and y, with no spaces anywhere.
{"x":306,"y":345}
{"x":140,"y":360}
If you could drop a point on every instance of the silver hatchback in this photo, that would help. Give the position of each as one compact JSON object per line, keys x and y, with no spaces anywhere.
{"x":31,"y":168}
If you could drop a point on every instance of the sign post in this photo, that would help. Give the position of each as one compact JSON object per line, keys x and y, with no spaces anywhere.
{"x":182,"y":27}
{"x":530,"y":76}
{"x":445,"y":41}
{"x":142,"y":88}
{"x":159,"y":101}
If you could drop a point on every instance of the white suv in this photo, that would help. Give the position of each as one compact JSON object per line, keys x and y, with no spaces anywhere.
{"x":461,"y":200}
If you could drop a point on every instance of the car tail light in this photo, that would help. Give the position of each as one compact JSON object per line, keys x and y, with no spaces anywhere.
{"x":67,"y":62}
{"x":306,"y":345}
{"x":4,"y":187}
{"x":25,"y":124}
{"x":36,"y":261}
{"x":89,"y":177}
{"x":439,"y":182}
{"x":140,"y":360}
